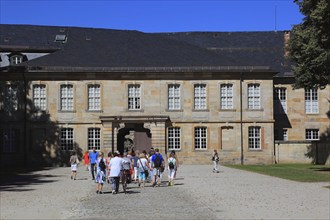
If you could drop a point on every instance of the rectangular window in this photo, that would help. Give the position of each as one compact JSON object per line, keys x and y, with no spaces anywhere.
{"x":254,"y":138}
{"x":39,"y":97}
{"x":94,"y":138}
{"x":174,"y":102}
{"x":11,"y":98}
{"x":253,"y":96}
{"x":9,"y":140}
{"x":134,"y":97}
{"x":280,"y":101}
{"x":94,"y":97}
{"x":67,"y":138}
{"x":311,"y":101}
{"x":200,"y":137}
{"x":312,"y":134}
{"x":67,"y":97}
{"x":226,"y":96}
{"x":200,"y":97}
{"x":174,"y":136}
{"x":285,"y":135}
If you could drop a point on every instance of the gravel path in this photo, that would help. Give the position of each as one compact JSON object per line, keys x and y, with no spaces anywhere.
{"x":197,"y":194}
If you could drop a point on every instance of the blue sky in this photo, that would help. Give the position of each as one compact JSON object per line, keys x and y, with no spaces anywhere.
{"x":155,"y":15}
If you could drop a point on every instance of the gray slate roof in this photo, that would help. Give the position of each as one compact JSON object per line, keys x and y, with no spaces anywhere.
{"x":107,"y":48}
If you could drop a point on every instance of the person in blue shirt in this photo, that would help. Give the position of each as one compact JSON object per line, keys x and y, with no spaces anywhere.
{"x":157,"y":163}
{"x":93,"y":155}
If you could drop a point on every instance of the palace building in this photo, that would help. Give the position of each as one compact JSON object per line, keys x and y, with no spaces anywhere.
{"x":69,"y":89}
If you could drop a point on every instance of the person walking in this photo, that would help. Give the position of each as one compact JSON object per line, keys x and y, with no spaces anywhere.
{"x":93,"y":155}
{"x":171,"y":169}
{"x":74,"y":161}
{"x":107,"y":159}
{"x":176,"y":162}
{"x":115,"y":167}
{"x":86,"y":160}
{"x":134,"y":160}
{"x":100,"y":173}
{"x":143,"y":167}
{"x":151,"y":152}
{"x":215,"y":159}
{"x":157,"y":164}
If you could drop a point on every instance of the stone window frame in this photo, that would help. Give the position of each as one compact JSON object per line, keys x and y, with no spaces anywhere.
{"x":201,"y":138}
{"x":254,"y":138}
{"x":73,"y":97}
{"x":174,"y":138}
{"x":176,"y":98}
{"x":312,"y":134}
{"x":256,"y":98}
{"x":45,"y":98}
{"x":134,"y":97}
{"x":88,"y":97}
{"x":67,"y":138}
{"x":94,"y":138}
{"x":311,"y":101}
{"x":280,"y":100}
{"x":221,"y":95}
{"x":11,"y":98}
{"x":197,"y":106}
{"x":9,"y":140}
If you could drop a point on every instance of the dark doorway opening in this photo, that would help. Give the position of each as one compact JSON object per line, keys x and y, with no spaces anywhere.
{"x":133,"y":136}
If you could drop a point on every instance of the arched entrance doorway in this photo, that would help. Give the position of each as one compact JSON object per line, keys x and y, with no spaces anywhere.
{"x":133,"y":136}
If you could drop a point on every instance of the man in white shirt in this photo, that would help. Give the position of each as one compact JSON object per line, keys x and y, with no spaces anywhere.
{"x":115,"y":167}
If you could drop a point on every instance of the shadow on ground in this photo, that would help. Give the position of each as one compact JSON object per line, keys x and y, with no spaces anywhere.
{"x":19,"y":180}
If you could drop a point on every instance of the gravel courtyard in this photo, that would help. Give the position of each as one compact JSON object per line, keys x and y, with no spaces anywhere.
{"x":197,"y":194}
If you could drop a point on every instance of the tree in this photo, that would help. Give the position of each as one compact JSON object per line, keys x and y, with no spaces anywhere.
{"x":309,"y":45}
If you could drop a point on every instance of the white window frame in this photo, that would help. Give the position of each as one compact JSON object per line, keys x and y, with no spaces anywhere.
{"x":9,"y":140}
{"x":200,"y":138}
{"x":254,"y":134}
{"x":174,"y":97}
{"x":280,"y":103}
{"x":66,"y":97}
{"x":174,"y":138}
{"x":94,"y":138}
{"x":312,"y":134}
{"x":94,"y":97}
{"x":311,"y":101}
{"x":134,"y":97}
{"x":200,"y":94}
{"x":40,"y":97}
{"x":254,"y":93}
{"x":226,"y":96}
{"x":67,"y":139}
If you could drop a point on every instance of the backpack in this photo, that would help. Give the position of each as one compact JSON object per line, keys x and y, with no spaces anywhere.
{"x":171,"y":165}
{"x":102,"y":164}
{"x":157,"y":161}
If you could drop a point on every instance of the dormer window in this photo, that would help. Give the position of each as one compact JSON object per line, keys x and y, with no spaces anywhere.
{"x":16,"y":59}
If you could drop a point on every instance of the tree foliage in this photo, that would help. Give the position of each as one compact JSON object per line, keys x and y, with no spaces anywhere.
{"x":309,"y":45}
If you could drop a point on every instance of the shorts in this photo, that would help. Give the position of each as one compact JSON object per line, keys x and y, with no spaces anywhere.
{"x":74,"y":167}
{"x":142,"y":176}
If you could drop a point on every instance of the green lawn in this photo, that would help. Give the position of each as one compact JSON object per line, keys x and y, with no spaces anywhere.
{"x":296,"y":172}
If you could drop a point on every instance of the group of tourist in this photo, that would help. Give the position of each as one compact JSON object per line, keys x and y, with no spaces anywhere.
{"x":141,"y":167}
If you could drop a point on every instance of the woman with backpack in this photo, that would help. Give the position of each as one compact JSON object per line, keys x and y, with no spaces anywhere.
{"x":171,"y":169}
{"x":100,"y":172}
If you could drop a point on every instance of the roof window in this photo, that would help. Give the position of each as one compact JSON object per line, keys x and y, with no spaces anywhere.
{"x":60,"y":38}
